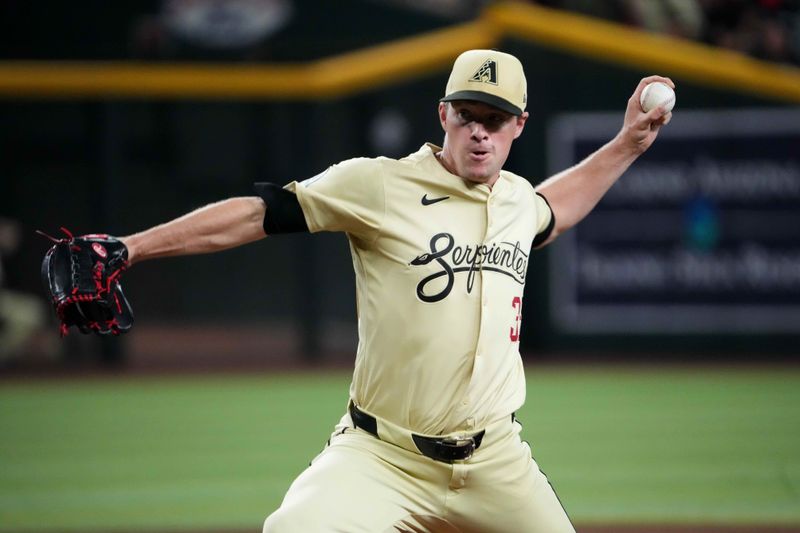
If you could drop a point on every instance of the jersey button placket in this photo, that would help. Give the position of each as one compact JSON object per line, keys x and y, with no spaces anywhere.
{"x":489,"y":206}
{"x":484,"y":292}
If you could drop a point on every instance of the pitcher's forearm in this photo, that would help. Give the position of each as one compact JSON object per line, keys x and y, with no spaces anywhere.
{"x":212,"y":228}
{"x":574,"y":192}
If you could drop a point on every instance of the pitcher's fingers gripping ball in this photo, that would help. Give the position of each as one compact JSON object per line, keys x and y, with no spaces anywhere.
{"x":658,"y":94}
{"x":81,"y":275}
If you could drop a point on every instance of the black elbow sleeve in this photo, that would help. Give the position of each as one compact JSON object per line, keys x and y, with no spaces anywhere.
{"x":283,"y":214}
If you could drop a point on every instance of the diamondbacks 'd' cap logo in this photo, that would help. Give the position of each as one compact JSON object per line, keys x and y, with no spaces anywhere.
{"x":487,"y":73}
{"x":483,"y":84}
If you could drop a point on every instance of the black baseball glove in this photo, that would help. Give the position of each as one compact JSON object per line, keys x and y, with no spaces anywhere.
{"x":82,"y":276}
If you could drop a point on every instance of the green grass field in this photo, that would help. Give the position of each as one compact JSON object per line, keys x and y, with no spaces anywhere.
{"x":620,"y":445}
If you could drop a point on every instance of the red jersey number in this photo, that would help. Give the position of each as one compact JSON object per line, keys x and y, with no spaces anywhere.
{"x":516,"y":303}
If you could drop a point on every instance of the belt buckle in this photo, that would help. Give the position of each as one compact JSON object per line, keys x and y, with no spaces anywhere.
{"x":464,"y":445}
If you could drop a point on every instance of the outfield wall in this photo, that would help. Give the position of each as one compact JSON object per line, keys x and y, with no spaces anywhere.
{"x":95,"y":158}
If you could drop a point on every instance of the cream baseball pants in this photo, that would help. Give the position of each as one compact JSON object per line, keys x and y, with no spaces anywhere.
{"x":363,"y":484}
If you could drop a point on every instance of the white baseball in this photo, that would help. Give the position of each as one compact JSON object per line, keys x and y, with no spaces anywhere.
{"x":657,"y":94}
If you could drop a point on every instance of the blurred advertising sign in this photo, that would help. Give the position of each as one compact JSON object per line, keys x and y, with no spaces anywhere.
{"x":701,"y":234}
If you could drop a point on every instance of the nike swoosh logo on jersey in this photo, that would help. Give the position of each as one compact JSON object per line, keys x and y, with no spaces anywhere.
{"x":429,"y":201}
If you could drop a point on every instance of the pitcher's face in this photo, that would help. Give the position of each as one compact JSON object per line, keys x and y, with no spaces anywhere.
{"x":477,"y":139}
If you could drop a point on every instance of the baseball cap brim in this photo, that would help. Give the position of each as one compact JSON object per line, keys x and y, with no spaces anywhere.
{"x":486,"y":98}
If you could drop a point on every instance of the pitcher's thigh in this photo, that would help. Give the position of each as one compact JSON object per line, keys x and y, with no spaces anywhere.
{"x":544,"y":512}
{"x":350,"y":489}
{"x":540,"y":510}
{"x":510,"y":495}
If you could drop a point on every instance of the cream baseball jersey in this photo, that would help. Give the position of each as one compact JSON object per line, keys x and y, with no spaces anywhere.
{"x":440,"y":266}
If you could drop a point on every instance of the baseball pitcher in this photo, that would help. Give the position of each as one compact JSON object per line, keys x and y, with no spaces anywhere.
{"x":440,"y":240}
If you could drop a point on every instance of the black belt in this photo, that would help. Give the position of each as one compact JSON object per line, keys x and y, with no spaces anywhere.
{"x":443,"y":449}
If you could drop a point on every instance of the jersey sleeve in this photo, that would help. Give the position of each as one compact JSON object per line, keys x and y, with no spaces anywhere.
{"x":545,"y":219}
{"x":348,"y":197}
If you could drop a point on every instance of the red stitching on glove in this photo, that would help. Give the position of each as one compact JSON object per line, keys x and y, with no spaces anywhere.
{"x":114,"y":275}
{"x":113,"y":325}
{"x":97,"y":273}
